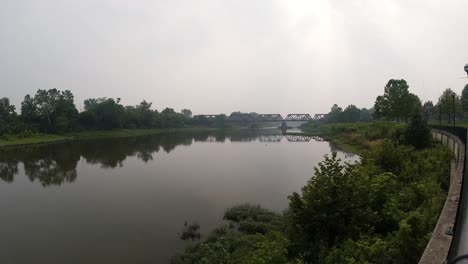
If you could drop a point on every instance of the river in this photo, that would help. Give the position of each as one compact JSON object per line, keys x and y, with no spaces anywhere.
{"x":125,"y":200}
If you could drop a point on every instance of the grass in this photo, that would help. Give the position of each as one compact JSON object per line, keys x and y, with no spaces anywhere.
{"x":35,"y":139}
{"x":462,"y":124}
{"x":357,"y":137}
{"x":50,"y":138}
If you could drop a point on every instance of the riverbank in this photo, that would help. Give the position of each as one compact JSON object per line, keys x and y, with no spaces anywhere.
{"x":53,"y":138}
{"x":391,"y":201}
{"x":357,"y":137}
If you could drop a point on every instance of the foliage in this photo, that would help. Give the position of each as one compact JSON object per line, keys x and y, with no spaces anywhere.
{"x":6,"y":109}
{"x":252,"y":219}
{"x":397,"y":103}
{"x":428,"y":110}
{"x":364,"y":135}
{"x":380,"y":210}
{"x":464,"y":99}
{"x":9,"y":121}
{"x":190,"y":232}
{"x":51,"y":111}
{"x":187,"y":113}
{"x":418,"y":133}
{"x":54,"y":112}
{"x":351,"y":114}
{"x":446,"y":105}
{"x":234,"y":244}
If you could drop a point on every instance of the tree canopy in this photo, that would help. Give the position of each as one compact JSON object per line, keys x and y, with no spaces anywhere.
{"x":54,"y":111}
{"x":446,"y":105}
{"x":397,"y":103}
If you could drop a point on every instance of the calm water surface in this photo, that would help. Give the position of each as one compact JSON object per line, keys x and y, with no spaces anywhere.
{"x":125,"y":200}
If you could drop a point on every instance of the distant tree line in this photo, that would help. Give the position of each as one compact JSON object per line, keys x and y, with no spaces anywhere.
{"x":54,"y":111}
{"x":400,"y":105}
{"x":350,"y":114}
{"x":448,"y":103}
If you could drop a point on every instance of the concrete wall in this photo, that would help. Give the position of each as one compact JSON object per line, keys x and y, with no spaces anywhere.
{"x":438,"y":247}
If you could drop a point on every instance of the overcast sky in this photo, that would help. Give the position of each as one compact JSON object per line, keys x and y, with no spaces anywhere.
{"x":219,"y":56}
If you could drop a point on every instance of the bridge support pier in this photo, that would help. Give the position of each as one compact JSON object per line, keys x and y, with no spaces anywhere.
{"x":284,"y":127}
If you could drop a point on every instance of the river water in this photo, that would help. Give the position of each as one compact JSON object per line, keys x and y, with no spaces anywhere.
{"x":125,"y":200}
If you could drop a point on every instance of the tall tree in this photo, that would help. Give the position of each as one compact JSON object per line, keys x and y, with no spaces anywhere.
{"x":52,"y":110}
{"x":418,"y":133}
{"x":335,"y":114}
{"x":351,"y":114}
{"x":397,"y":103}
{"x":187,"y":113}
{"x":464,"y":99}
{"x":446,"y":104}
{"x":7,"y":116}
{"x":381,"y":108}
{"x":366,"y":115}
{"x":396,"y":93}
{"x":6,"y":109}
{"x":428,"y":110}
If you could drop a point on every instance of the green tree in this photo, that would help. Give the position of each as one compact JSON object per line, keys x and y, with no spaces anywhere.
{"x":139,"y":116}
{"x":366,"y":115}
{"x":6,"y":109}
{"x":170,"y":118}
{"x":333,"y":206}
{"x":428,"y":110}
{"x":8,"y":117}
{"x":187,"y":113}
{"x":464,"y":99}
{"x":412,"y":105}
{"x":381,"y":108}
{"x":418,"y":133}
{"x":335,"y":114}
{"x":397,"y":103}
{"x":351,"y":114}
{"x":51,"y":110}
{"x":446,"y":103}
{"x":220,"y":120}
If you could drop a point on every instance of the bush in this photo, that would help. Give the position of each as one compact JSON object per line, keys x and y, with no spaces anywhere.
{"x":418,"y":133}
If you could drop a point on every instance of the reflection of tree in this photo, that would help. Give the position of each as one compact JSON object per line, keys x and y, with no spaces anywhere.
{"x":8,"y":170}
{"x":111,"y":153}
{"x":49,"y":164}
{"x":55,"y":164}
{"x":48,"y":172}
{"x":335,"y":148}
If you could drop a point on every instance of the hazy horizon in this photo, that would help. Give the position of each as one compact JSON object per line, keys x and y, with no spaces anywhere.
{"x":281,"y":56}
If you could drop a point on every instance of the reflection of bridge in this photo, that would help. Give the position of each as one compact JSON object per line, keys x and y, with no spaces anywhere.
{"x":240,"y":117}
{"x":290,"y":138}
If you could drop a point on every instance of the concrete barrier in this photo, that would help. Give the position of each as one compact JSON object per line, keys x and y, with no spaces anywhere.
{"x":438,"y":247}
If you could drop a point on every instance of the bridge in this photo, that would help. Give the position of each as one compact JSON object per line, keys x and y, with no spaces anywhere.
{"x":289,"y":138}
{"x":250,"y":118}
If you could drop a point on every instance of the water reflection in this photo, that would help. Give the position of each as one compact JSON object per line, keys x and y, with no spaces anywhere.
{"x":129,"y":198}
{"x":55,"y":164}
{"x":8,"y":169}
{"x":335,"y":148}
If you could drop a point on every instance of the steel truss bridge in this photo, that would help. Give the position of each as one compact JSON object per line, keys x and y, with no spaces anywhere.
{"x":250,"y":118}
{"x":290,"y":138}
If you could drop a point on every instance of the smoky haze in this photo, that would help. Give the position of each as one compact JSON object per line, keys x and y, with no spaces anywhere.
{"x":217,"y":56}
